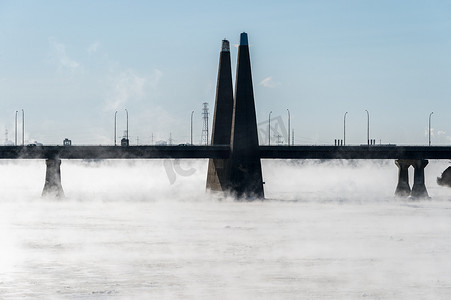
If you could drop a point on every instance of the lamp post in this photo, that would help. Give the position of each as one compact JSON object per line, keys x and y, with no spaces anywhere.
{"x":115,"y":119}
{"x":126,"y":111}
{"x":23,"y":128}
{"x":368,"y":127}
{"x":430,"y":128}
{"x":15,"y":130}
{"x":289,"y":121}
{"x":344,"y":129}
{"x":192,"y":127}
{"x":269,"y":129}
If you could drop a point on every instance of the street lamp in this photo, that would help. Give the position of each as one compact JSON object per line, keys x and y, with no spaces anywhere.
{"x":192,"y":127}
{"x":23,"y":128}
{"x":269,"y":129}
{"x":115,"y":119}
{"x":344,"y":129}
{"x":126,"y":111}
{"x":289,"y":121}
{"x":430,"y":127}
{"x":368,"y":127}
{"x":15,"y":130}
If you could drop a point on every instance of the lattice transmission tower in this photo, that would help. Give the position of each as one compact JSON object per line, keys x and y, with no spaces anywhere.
{"x":204,"y":139}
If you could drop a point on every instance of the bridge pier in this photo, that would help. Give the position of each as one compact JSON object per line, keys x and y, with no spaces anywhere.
{"x":403,"y":187}
{"x":52,"y":186}
{"x":241,"y":174}
{"x":419,"y":188}
{"x":218,"y":176}
{"x":246,"y":170}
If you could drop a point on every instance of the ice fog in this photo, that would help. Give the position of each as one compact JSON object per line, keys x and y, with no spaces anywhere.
{"x":148,"y":230}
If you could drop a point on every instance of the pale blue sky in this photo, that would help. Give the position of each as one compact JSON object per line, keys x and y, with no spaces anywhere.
{"x":71,"y":64}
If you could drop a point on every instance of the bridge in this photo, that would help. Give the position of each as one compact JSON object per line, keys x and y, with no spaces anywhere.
{"x":224,"y":151}
{"x":405,"y":156}
{"x":234,"y":154}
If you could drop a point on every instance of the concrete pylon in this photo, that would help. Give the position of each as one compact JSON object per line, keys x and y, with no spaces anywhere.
{"x":246,"y":172}
{"x":218,"y":176}
{"x":403,"y":187}
{"x":419,"y":188}
{"x":52,"y":186}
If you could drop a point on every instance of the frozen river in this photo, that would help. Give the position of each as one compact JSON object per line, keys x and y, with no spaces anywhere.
{"x":147,"y":230}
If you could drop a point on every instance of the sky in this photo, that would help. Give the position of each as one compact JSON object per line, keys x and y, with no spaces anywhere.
{"x":71,"y":64}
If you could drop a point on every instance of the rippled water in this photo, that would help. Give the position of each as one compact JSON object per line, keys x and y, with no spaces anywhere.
{"x":327,"y":231}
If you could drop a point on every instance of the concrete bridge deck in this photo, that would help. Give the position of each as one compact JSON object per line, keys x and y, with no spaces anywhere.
{"x":356,"y":152}
{"x":223,"y":151}
{"x":112,"y":152}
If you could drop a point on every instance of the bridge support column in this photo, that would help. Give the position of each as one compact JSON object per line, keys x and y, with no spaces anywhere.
{"x":403,"y":187}
{"x":218,"y":176}
{"x":246,"y":170}
{"x":241,"y":174}
{"x":419,"y":188}
{"x":52,"y":186}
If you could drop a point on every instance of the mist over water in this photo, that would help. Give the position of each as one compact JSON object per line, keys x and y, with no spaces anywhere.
{"x":145,"y":229}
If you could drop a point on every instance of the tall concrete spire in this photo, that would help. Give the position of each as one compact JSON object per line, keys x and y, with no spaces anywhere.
{"x":222,"y":121}
{"x":246,"y":172}
{"x":218,"y":177}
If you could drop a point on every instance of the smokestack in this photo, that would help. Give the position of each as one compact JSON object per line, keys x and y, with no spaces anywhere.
{"x":218,"y":176}
{"x":246,"y":174}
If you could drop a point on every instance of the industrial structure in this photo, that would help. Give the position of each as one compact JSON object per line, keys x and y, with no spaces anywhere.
{"x":204,"y":136}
